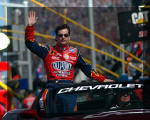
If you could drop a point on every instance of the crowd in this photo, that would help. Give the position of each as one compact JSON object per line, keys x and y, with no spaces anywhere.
{"x":105,"y":24}
{"x":84,"y":3}
{"x":102,"y":16}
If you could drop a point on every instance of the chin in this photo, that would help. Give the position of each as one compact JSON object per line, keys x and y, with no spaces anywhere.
{"x":63,"y":43}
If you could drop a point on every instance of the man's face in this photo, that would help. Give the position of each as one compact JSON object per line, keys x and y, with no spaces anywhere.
{"x":125,"y":98}
{"x":63,"y":37}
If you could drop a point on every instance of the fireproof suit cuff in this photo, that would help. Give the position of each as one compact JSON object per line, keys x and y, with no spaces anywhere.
{"x":97,"y":76}
{"x":29,"y":33}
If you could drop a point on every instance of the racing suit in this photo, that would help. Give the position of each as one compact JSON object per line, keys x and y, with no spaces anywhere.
{"x":59,"y":62}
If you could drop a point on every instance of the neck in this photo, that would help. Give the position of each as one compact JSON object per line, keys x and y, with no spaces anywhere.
{"x":61,"y":47}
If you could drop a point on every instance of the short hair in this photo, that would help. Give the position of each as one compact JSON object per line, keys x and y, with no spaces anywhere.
{"x":64,"y":26}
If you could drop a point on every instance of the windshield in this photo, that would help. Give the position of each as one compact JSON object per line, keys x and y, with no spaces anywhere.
{"x":95,"y":98}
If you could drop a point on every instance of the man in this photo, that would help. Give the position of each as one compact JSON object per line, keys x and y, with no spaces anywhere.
{"x":123,"y":99}
{"x":29,"y":99}
{"x":59,"y":60}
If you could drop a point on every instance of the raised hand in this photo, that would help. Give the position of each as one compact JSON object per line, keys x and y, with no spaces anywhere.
{"x":32,"y":19}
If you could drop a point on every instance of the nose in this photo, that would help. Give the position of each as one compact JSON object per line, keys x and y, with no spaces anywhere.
{"x":63,"y":37}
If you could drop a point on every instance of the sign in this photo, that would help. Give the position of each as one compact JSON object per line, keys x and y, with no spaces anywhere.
{"x":98,"y":87}
{"x":134,"y":26}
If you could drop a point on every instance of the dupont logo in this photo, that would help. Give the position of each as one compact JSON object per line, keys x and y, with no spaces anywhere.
{"x":62,"y":65}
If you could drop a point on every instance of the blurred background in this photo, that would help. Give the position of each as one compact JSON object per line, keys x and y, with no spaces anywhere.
{"x":112,"y":35}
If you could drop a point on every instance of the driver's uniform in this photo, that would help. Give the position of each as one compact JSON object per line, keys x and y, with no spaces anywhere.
{"x":59,"y":62}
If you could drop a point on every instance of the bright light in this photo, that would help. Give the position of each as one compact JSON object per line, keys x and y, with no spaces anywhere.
{"x":4,"y":41}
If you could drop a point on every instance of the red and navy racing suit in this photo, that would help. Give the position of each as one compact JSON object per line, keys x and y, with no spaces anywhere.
{"x":59,"y":62}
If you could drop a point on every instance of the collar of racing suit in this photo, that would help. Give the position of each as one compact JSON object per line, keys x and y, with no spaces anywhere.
{"x":58,"y":48}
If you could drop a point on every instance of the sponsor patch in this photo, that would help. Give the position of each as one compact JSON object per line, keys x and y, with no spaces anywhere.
{"x":59,"y":54}
{"x":66,"y":56}
{"x":62,"y":72}
{"x":62,"y":75}
{"x":72,"y":49}
{"x":55,"y":58}
{"x":73,"y":58}
{"x":62,"y":65}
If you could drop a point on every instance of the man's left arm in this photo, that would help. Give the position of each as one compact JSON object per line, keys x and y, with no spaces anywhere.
{"x":88,"y":71}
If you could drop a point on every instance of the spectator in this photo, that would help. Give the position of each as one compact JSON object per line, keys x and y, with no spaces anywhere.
{"x":123,"y":100}
{"x":29,"y":99}
{"x":137,"y":50}
{"x":126,"y":98}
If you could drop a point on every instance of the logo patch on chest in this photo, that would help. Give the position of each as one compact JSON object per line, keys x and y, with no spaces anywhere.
{"x":66,"y":56}
{"x":62,"y":65}
{"x":55,"y":58}
{"x":72,"y":50}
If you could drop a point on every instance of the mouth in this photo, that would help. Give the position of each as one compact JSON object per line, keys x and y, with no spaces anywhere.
{"x":64,"y":40}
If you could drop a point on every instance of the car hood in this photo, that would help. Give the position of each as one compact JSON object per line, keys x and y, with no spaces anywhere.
{"x":132,"y":114}
{"x":12,"y":114}
{"x":142,"y":114}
